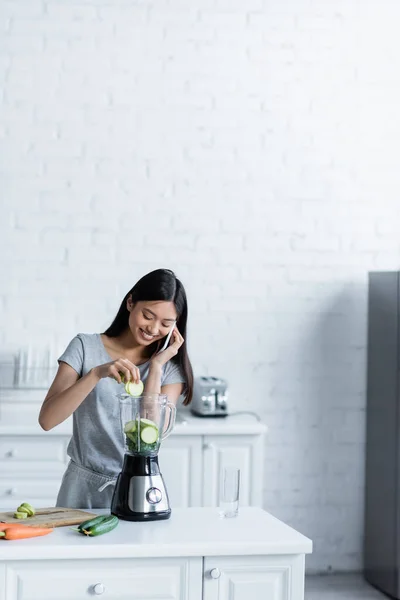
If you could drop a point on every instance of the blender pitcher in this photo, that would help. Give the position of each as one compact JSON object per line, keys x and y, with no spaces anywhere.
{"x":140,"y":493}
{"x":145,"y":421}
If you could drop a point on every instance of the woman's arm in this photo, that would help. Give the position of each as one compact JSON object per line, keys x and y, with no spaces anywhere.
{"x":66,"y":393}
{"x":68,"y":390}
{"x":153,"y":381}
{"x":153,"y":385}
{"x":173,"y":391}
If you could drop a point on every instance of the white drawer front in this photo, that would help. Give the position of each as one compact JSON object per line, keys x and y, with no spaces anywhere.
{"x":122,"y":579}
{"x":15,"y":491}
{"x":23,"y":453}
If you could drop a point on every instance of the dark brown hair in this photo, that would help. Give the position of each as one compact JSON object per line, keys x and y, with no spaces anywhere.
{"x":161,"y":284}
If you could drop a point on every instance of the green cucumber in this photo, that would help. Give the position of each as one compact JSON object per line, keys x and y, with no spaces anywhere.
{"x":90,"y":522}
{"x":134,"y":389}
{"x":149,"y":435}
{"x":130,"y":427}
{"x":148,"y":423}
{"x":20,"y":515}
{"x":108,"y":523}
{"x":22,"y":509}
{"x":28,"y":508}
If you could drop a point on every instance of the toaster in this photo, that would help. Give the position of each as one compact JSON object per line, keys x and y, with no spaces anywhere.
{"x":210,"y":397}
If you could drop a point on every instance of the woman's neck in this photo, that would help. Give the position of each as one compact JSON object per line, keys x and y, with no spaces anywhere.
{"x":126,"y":346}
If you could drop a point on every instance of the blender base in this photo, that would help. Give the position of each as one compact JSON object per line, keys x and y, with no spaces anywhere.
{"x":140,"y":493}
{"x":155,"y":516}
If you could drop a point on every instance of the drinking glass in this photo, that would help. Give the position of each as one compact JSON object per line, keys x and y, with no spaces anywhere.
{"x":229,"y":492}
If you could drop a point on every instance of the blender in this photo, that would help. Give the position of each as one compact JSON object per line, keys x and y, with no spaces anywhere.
{"x":140,"y":493}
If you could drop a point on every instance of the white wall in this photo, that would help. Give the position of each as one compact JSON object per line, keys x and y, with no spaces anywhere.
{"x":253,"y":148}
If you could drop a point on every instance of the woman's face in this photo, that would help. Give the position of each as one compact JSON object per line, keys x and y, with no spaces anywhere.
{"x":151,"y":321}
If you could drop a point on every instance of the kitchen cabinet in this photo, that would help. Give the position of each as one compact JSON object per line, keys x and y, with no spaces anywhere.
{"x":226,"y":578}
{"x":181,"y":464}
{"x":244,"y":452}
{"x":192,"y":458}
{"x":124,"y":579}
{"x":272,"y":578}
{"x":195,"y":555}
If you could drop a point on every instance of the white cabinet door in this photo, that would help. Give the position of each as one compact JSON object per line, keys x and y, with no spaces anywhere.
{"x":180,"y":460}
{"x":39,"y":492}
{"x":260,"y":578}
{"x":122,"y":579}
{"x":244,"y":452}
{"x":27,"y":454}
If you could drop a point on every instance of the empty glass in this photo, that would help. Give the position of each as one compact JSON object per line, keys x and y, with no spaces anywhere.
{"x":229,"y":492}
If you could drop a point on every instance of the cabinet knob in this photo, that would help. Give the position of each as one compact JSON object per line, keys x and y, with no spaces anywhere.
{"x":10,"y":454}
{"x":12,"y":492}
{"x":215,"y":573}
{"x":208,"y":446}
{"x":99,"y":588}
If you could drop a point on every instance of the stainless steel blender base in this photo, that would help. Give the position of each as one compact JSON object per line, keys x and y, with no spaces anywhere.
{"x":140,"y":498}
{"x":147,"y":493}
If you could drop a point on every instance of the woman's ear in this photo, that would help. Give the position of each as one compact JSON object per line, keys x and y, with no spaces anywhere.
{"x":129,"y":303}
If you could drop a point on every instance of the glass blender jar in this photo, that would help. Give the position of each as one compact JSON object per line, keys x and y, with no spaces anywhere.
{"x":140,"y":493}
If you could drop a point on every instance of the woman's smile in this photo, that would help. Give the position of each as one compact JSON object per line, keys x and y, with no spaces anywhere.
{"x":146,"y":336}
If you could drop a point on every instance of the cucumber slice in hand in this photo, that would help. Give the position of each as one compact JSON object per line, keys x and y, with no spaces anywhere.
{"x":134,"y":389}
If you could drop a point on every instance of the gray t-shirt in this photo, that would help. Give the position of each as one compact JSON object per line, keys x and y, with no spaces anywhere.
{"x":97,"y":440}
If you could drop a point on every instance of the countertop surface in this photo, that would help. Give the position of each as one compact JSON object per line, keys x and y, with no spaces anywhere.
{"x":189,"y":532}
{"x":186,"y":424}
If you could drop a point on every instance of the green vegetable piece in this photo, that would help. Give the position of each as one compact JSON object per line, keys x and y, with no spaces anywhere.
{"x":20,"y":515}
{"x":25,"y":507}
{"x":130,"y":427}
{"x":90,"y":522}
{"x":149,"y":435}
{"x":108,"y":523}
{"x":134,"y":389}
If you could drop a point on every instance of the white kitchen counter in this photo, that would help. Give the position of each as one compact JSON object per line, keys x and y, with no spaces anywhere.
{"x":190,"y":532}
{"x":186,"y":424}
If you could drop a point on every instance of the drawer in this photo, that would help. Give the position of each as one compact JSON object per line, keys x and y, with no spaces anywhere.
{"x":14,"y":491}
{"x":122,"y":579}
{"x":24,"y":453}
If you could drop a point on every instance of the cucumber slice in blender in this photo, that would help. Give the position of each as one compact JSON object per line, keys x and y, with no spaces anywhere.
{"x":149,"y":435}
{"x":130,"y":427}
{"x":134,"y":389}
{"x":147,"y":423}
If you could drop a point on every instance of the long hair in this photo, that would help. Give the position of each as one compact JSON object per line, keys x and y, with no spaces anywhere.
{"x":161,"y":284}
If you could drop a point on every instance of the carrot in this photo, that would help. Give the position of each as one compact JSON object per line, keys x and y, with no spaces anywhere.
{"x":4,"y":526}
{"x":20,"y":532}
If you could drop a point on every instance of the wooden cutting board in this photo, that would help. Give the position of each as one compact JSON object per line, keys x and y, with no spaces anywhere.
{"x":50,"y":517}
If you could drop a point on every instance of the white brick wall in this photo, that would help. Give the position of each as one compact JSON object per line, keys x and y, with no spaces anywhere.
{"x":252,"y":147}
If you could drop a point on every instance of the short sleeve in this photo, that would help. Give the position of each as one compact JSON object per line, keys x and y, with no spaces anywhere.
{"x":73,"y":355}
{"x":172,"y":374}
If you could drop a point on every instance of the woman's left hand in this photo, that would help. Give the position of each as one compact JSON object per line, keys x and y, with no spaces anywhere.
{"x":172,"y":350}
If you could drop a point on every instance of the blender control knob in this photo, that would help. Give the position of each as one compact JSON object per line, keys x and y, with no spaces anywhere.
{"x":99,"y":588}
{"x":153,"y":495}
{"x":215,"y":573}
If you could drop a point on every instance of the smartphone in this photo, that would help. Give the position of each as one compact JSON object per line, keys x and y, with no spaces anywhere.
{"x":165,"y":345}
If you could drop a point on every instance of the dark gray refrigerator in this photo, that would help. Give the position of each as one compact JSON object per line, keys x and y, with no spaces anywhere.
{"x":382,"y":485}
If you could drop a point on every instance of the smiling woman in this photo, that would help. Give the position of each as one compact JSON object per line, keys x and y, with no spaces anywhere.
{"x":90,"y":369}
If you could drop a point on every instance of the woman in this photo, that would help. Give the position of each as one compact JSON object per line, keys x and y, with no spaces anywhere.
{"x":88,"y":378}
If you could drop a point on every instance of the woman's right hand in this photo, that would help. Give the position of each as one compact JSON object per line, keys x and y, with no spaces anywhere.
{"x":115,"y":368}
